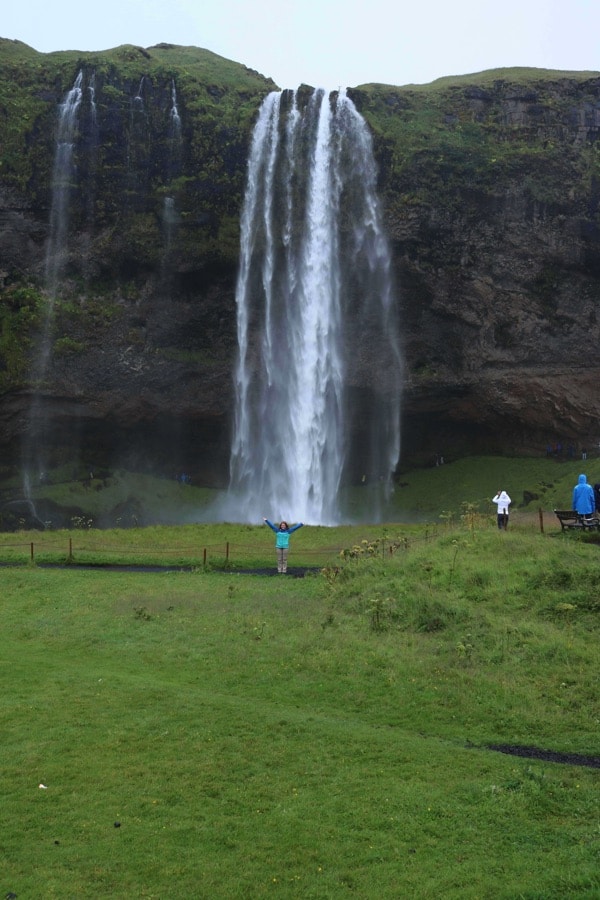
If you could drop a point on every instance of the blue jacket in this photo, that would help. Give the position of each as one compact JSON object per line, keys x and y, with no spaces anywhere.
{"x":583,"y":497}
{"x":282,"y":541}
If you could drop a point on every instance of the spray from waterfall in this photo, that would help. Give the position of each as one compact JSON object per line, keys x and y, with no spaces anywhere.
{"x":318,"y":376}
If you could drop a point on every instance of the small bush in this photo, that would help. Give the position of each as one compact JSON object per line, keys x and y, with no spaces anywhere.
{"x":66,"y":345}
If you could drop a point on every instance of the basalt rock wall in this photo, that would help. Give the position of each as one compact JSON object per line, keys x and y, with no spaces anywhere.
{"x":490,"y":185}
{"x":142,"y":328}
{"x":492,"y":203}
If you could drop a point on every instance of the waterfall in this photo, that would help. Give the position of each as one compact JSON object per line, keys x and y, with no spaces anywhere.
{"x":138,"y":100}
{"x":62,"y":179}
{"x":170,"y":220}
{"x":174,"y":115}
{"x":316,"y":318}
{"x":170,"y":215}
{"x":139,"y":139}
{"x":35,"y":444}
{"x":90,"y":139}
{"x":92,"y":93}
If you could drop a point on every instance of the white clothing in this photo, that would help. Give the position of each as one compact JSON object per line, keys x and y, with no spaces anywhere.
{"x":503,"y":501}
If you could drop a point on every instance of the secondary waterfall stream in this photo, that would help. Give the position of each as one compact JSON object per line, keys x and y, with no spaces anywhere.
{"x":62,"y":179}
{"x":316,"y":317}
{"x":34,"y":446}
{"x":173,"y":170}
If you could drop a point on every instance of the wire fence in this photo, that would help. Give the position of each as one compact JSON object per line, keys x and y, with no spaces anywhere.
{"x":227,"y":554}
{"x":83,"y":549}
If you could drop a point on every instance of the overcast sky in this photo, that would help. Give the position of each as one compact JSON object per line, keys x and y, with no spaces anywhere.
{"x":329,"y":43}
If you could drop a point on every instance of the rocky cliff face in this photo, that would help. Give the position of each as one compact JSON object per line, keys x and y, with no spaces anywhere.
{"x":493,"y":211}
{"x":142,"y":328}
{"x":491,"y":187}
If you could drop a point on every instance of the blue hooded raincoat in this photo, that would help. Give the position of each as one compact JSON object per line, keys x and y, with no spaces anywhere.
{"x":583,"y":497}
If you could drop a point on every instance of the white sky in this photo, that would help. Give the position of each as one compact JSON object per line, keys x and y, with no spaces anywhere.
{"x":329,"y":43}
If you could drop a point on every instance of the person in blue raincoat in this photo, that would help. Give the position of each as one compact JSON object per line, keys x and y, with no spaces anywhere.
{"x":583,"y":497}
{"x":282,"y":542}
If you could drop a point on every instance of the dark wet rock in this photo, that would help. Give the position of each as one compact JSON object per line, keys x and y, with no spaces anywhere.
{"x":491,"y":198}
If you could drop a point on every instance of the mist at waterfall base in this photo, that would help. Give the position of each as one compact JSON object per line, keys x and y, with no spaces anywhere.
{"x":318,"y":375}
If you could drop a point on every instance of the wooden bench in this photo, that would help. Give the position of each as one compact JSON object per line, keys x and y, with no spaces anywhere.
{"x":570,"y":518}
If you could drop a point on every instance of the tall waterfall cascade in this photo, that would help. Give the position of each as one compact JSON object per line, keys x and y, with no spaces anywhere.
{"x":318,"y":376}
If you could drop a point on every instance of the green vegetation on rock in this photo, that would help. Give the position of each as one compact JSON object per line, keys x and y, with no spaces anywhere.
{"x":19,"y":315}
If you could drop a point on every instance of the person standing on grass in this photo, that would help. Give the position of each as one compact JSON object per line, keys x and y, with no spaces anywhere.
{"x":282,"y":542}
{"x":503,"y":501}
{"x":583,"y":497}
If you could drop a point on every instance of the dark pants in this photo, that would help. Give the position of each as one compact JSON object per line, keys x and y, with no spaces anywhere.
{"x":503,"y":520}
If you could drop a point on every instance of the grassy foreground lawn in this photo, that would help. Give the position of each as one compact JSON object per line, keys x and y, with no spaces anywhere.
{"x":202,"y":734}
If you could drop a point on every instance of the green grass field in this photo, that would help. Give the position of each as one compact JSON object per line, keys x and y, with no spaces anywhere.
{"x":214,"y":734}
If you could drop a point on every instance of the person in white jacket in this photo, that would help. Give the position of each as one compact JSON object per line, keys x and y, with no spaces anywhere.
{"x":503,"y":501}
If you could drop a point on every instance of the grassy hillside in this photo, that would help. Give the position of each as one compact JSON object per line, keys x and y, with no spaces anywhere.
{"x":518,"y":75}
{"x":531,"y":483}
{"x":431,"y":494}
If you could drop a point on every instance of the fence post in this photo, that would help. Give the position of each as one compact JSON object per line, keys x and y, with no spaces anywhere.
{"x":541,"y":515}
{"x":70,"y":549}
{"x":31,"y":551}
{"x":205,"y":557}
{"x":227,"y":552}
